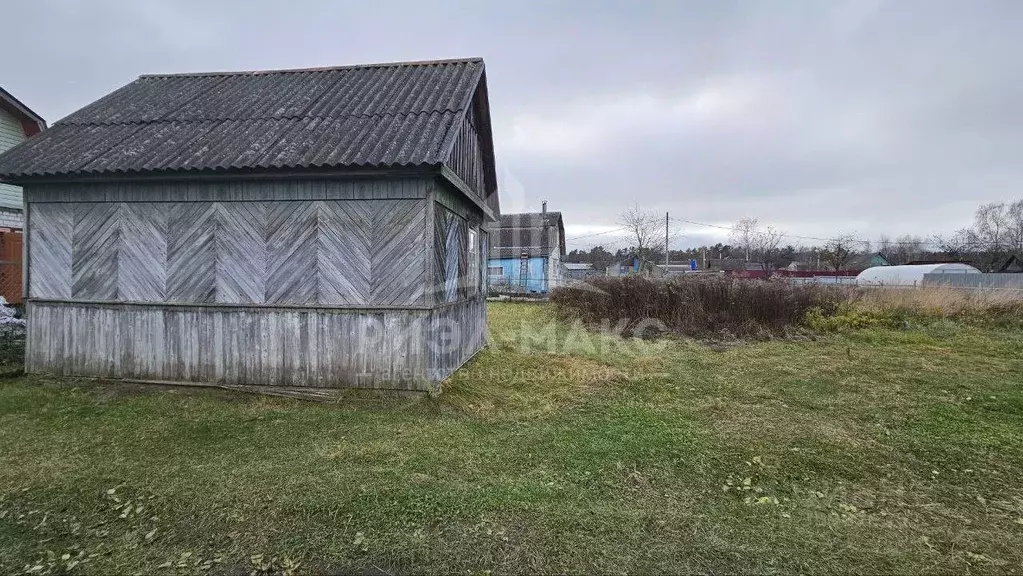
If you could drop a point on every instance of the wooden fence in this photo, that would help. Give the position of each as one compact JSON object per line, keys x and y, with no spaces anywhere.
{"x":10,"y":267}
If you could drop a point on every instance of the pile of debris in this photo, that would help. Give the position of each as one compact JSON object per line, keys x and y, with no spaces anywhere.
{"x":12,"y":339}
{"x":11,"y":327}
{"x":8,"y":315}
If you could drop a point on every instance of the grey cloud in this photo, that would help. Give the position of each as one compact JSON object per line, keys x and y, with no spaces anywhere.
{"x":883,"y":116}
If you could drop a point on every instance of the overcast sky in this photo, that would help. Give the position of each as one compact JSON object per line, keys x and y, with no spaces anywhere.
{"x":872,"y":116}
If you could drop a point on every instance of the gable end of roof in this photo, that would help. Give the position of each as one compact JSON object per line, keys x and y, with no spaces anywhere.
{"x":31,"y":122}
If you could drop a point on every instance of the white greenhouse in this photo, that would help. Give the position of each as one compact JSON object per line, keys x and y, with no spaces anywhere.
{"x":909,"y":275}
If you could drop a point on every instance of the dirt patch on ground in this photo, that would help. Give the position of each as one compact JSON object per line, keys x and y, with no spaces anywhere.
{"x":112,"y":390}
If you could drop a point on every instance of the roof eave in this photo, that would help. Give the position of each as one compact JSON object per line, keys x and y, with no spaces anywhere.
{"x":24,"y":113}
{"x":456,"y":181}
{"x":233,"y":174}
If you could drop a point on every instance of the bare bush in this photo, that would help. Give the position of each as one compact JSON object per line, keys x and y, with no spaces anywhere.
{"x":697,"y":306}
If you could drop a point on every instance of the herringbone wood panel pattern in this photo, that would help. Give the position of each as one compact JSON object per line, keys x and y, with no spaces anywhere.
{"x":191,"y":258}
{"x":443,"y":224}
{"x":450,"y":234}
{"x":334,"y":253}
{"x":291,"y":253}
{"x":51,"y":228}
{"x":343,"y":248}
{"x":142,"y":252}
{"x":398,"y":245}
{"x":241,"y":252}
{"x":94,"y":252}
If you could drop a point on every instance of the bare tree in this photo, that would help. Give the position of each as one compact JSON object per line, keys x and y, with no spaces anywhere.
{"x":753,"y":240}
{"x":1014,"y":216}
{"x":991,"y":233}
{"x":886,"y":247}
{"x":646,"y":229}
{"x":956,"y":246}
{"x":840,"y":250}
{"x":908,"y":248}
{"x":767,"y":246}
{"x":743,"y":235}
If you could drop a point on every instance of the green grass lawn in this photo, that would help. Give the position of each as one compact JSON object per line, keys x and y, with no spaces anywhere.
{"x":873,"y":451}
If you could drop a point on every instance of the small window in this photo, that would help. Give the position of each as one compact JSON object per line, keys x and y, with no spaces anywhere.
{"x":495,"y":271}
{"x":474,"y":264}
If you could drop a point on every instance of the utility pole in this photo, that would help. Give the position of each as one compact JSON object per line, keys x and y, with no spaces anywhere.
{"x":665,"y":242}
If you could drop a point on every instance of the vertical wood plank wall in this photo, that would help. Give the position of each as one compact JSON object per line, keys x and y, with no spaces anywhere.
{"x":243,"y":345}
{"x":295,"y":283}
{"x":454,"y":334}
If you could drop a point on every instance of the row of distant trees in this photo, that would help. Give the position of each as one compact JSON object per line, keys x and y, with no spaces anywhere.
{"x":995,"y":233}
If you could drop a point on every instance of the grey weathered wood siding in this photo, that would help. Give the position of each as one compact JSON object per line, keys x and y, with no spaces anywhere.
{"x":230,"y":345}
{"x":455,"y":333}
{"x":317,"y":252}
{"x":276,"y":283}
{"x":317,"y":347}
{"x":230,"y":190}
{"x":467,"y":156}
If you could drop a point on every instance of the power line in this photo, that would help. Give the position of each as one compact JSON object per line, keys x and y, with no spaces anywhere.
{"x":596,"y":234}
{"x":818,"y":238}
{"x":786,"y":235}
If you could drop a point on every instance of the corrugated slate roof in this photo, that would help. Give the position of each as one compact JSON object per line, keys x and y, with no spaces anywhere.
{"x":515,"y":234}
{"x":373,"y":116}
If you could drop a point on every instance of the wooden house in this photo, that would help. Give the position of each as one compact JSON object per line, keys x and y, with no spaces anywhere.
{"x":1012,"y":265}
{"x":526,"y":252}
{"x":634,"y":265}
{"x":17,"y":124}
{"x":294,"y":228}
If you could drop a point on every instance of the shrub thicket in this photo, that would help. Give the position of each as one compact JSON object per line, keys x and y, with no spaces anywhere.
{"x":697,"y":306}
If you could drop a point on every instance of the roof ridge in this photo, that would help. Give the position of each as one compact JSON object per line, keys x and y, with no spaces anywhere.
{"x":385,"y":115}
{"x":315,"y":69}
{"x":513,"y":214}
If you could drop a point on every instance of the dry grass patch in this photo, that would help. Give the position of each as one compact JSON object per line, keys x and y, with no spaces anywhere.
{"x":528,"y":386}
{"x":870,"y":451}
{"x":940,"y":302}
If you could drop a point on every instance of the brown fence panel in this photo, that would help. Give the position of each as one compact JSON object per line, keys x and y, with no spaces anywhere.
{"x":10,"y":266}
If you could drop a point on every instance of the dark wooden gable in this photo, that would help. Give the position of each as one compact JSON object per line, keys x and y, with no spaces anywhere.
{"x":472,"y":155}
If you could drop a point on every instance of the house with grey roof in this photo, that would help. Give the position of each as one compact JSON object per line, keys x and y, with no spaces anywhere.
{"x":17,"y":123}
{"x":294,"y":228}
{"x":634,"y":265}
{"x":1012,"y":265}
{"x":526,"y":252}
{"x":579,"y":270}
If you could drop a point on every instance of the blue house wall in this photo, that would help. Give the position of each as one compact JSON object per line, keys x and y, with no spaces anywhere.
{"x":511,"y":269}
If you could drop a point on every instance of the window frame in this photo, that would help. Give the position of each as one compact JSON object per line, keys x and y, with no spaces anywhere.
{"x":473,"y":268}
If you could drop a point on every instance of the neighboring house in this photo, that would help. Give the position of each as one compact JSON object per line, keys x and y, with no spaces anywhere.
{"x":577,"y":266}
{"x":633,"y":265}
{"x":668,"y":270}
{"x":17,"y":124}
{"x":526,"y":251}
{"x":320,"y":227}
{"x":797,"y":266}
{"x":857,"y":263}
{"x":578,"y":270}
{"x":861,"y":262}
{"x":733,"y":265}
{"x":1012,"y":265}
